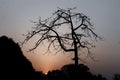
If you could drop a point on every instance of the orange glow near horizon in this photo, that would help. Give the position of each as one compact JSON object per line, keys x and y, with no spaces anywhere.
{"x":45,"y":62}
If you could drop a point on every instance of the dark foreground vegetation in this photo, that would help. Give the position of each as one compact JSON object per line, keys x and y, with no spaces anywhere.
{"x":15,"y":66}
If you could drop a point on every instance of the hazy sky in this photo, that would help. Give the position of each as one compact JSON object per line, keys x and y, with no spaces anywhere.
{"x":16,"y":16}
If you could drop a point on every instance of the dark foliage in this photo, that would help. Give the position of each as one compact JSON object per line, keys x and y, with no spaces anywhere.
{"x":69,"y":72}
{"x":116,"y":76}
{"x":13,"y":64}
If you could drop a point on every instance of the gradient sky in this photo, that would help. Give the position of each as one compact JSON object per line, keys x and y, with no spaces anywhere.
{"x":16,"y":17}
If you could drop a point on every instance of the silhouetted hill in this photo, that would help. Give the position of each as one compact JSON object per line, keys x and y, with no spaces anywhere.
{"x":13,"y":64}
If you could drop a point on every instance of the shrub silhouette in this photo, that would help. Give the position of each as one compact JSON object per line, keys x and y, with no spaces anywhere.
{"x":55,"y":75}
{"x":81,"y":73}
{"x":14,"y":65}
{"x":116,"y":76}
{"x":69,"y":72}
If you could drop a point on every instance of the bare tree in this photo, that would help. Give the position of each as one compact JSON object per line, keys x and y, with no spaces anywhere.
{"x":65,"y":30}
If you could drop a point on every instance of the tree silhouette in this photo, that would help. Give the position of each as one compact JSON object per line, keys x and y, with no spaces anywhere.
{"x":68,"y":72}
{"x":116,"y":76}
{"x":65,"y":31}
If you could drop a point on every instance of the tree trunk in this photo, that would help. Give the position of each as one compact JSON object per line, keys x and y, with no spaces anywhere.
{"x":76,"y":58}
{"x":75,"y":54}
{"x":74,"y":42}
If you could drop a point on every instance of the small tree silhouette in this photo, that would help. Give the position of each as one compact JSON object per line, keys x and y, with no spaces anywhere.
{"x":65,"y":30}
{"x":116,"y":76}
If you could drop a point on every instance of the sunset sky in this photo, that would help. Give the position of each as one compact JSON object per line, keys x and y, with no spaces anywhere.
{"x":16,"y":17}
